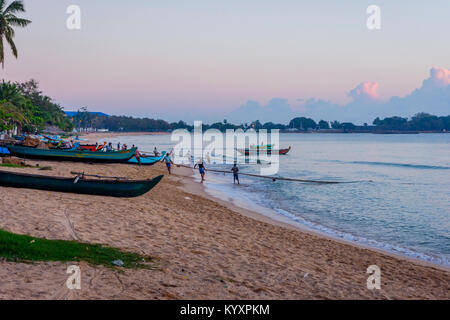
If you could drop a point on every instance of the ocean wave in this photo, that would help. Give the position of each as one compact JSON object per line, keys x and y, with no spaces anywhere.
{"x":436,"y":259}
{"x":219,"y":184}
{"x":394,"y":164}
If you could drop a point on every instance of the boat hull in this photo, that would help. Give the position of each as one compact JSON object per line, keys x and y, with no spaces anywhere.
{"x":147,"y":161}
{"x":111,"y":188}
{"x":67,"y":155}
{"x":250,"y":152}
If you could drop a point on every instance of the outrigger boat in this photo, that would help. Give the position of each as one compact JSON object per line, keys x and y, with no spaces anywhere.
{"x":268,"y":151}
{"x":146,"y":160}
{"x":113,"y":187}
{"x":72,"y":155}
{"x":91,"y":147}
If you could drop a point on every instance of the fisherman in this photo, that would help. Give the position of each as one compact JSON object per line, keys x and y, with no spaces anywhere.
{"x":168,"y":161}
{"x":109,"y":147}
{"x":201,"y":169}
{"x":235,"y":170}
{"x":137,"y":155}
{"x":118,"y":146}
{"x":155,"y":151}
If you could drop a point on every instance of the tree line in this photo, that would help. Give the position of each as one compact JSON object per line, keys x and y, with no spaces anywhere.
{"x":25,"y":107}
{"x":419,"y":122}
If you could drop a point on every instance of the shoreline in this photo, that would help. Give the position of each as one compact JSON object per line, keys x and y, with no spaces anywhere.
{"x":203,"y":247}
{"x":93,"y":137}
{"x":191,"y":184}
{"x":277,"y":220}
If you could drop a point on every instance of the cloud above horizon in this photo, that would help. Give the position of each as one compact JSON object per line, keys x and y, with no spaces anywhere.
{"x":439,"y":77}
{"x":277,"y":111}
{"x":432,"y":97}
{"x":365,"y":90}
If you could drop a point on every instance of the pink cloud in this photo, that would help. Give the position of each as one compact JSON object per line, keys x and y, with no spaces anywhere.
{"x":439,"y":77}
{"x":365,"y":90}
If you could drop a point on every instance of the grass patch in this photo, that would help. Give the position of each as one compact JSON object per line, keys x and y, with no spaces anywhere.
{"x":23,"y":248}
{"x":11,"y":165}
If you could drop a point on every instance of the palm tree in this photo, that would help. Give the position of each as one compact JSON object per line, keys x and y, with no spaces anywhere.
{"x":8,"y":20}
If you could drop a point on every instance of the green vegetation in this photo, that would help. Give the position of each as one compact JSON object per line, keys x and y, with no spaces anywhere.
{"x":12,"y":165}
{"x":23,"y":248}
{"x":22,"y":105}
{"x":419,"y":122}
{"x":8,"y":20}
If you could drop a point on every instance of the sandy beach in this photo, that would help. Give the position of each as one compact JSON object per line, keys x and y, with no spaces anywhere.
{"x":203,"y":248}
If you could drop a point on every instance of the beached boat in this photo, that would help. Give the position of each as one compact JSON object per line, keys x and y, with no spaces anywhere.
{"x":71,"y":155}
{"x":146,"y":160}
{"x":90,"y":147}
{"x":249,"y":152}
{"x":109,"y":187}
{"x":81,"y":147}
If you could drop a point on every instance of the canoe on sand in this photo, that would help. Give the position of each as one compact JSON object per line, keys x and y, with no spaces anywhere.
{"x":107,"y":187}
{"x":147,"y":161}
{"x":71,"y":155}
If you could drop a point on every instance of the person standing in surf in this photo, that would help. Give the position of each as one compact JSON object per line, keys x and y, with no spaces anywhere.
{"x":168,"y":161}
{"x":201,"y":169}
{"x":235,"y":170}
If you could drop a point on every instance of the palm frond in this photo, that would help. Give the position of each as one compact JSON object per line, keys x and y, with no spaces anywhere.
{"x":9,"y":35}
{"x":8,"y":20}
{"x":2,"y":4}
{"x":14,"y":21}
{"x":2,"y":52}
{"x":15,"y":6}
{"x":11,"y":31}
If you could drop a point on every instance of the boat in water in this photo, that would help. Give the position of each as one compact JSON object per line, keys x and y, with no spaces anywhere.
{"x":108,"y":187}
{"x":264,"y":151}
{"x":71,"y":155}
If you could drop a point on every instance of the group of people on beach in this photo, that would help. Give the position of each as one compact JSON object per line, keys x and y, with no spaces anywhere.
{"x":201,"y":168}
{"x":109,"y":147}
{"x":167,"y":159}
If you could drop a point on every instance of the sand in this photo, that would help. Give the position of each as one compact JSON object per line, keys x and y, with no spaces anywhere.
{"x":203,"y":248}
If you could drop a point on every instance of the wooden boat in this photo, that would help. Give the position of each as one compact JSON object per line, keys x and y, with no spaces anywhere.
{"x":4,"y":151}
{"x":110,"y":187}
{"x":249,"y":152}
{"x":146,"y":160}
{"x":90,"y":147}
{"x":71,"y":155}
{"x":262,"y":147}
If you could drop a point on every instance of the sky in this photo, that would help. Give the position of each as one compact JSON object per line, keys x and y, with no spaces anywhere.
{"x":215,"y":60}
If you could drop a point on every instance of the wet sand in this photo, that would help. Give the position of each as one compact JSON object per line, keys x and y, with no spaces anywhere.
{"x":204,"y":248}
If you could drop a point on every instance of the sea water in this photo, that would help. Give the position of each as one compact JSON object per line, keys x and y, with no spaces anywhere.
{"x":399,"y":198}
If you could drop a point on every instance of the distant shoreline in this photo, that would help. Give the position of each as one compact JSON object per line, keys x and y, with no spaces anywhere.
{"x":111,"y":134}
{"x":93,"y":137}
{"x":371,"y":132}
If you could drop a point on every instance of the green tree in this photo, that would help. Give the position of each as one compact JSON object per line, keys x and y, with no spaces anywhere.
{"x":8,"y":20}
{"x":52,"y":114}
{"x":323,"y":124}
{"x":302,"y":123}
{"x":336,"y":124}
